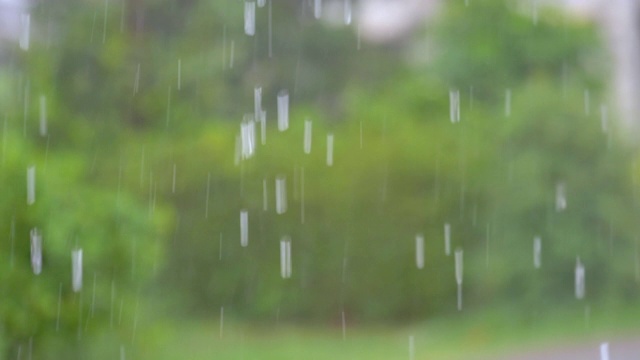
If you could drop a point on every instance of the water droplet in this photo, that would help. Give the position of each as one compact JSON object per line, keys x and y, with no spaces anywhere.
{"x":507,"y":103}
{"x":36,"y":251}
{"x":454,"y":106}
{"x":459,"y":271}
{"x":347,"y":12}
{"x":283,"y":110}
{"x":285,"y":257}
{"x":244,"y":228}
{"x":307,"y":136}
{"x":257,"y":103}
{"x":248,"y":136}
{"x":261,"y":3}
{"x":420,"y":251}
{"x":25,"y":29}
{"x":604,"y":351}
{"x":43,"y":115}
{"x":31,"y":185}
{"x":317,"y":8}
{"x":561,"y":197}
{"x":447,"y":239}
{"x":537,"y":252}
{"x":250,"y":18}
{"x":412,"y":350}
{"x":330,"y":150}
{"x":76,"y":269}
{"x":281,"y":194}
{"x":580,"y":283}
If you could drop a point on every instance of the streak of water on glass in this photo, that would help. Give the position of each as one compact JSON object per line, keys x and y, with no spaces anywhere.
{"x":31,"y":185}
{"x":76,"y":269}
{"x":244,"y":228}
{"x":283,"y":110}
{"x":459,"y":271}
{"x":250,"y":18}
{"x":281,"y":194}
{"x":36,"y":251}
{"x":420,"y":251}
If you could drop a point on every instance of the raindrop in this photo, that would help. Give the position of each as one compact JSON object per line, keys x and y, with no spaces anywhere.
{"x":250,"y":18}
{"x":221,"y":320}
{"x":257,"y":103}
{"x":283,"y":110}
{"x":561,"y":197}
{"x":579,"y":279}
{"x":420,"y":251}
{"x":587,"y":106}
{"x":31,"y":185}
{"x":447,"y":239}
{"x":248,"y":136}
{"x":347,"y":12}
{"x":604,"y":351}
{"x":232,"y":54}
{"x":173,"y":180}
{"x":36,"y":251}
{"x":344,"y":326}
{"x":261,"y":3}
{"x":76,"y":269}
{"x":244,"y":228}
{"x":329,"y":149}
{"x":507,"y":103}
{"x":307,"y":136}
{"x":43,"y":115}
{"x":264,"y":195}
{"x":59,"y":307}
{"x":537,"y":249}
{"x":281,"y":194}
{"x":270,"y":32}
{"x":458,"y":260}
{"x":317,"y":8}
{"x":412,"y":349}
{"x":263,"y":127}
{"x":604,"y":121}
{"x":25,"y":24}
{"x":122,"y":353}
{"x":179,"y":73}
{"x":285,"y":257}
{"x":454,"y":105}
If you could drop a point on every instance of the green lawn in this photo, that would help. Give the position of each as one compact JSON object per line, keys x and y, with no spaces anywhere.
{"x":463,"y":335}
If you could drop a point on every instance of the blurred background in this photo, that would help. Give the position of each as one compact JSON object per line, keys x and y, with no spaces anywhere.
{"x":320,"y":179}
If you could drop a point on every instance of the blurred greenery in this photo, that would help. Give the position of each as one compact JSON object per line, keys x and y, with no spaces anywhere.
{"x":140,"y":169}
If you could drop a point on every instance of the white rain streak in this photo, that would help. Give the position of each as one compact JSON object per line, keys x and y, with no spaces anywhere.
{"x":329,"y":149}
{"x":507,"y":103}
{"x":270,"y":31}
{"x":136,"y":80}
{"x":537,"y":252}
{"x":459,"y":271}
{"x":244,"y":228}
{"x":302,"y":195}
{"x":36,"y":251}
{"x":587,"y":105}
{"x":265,"y":198}
{"x":31,"y":185}
{"x":347,"y":12}
{"x":25,"y":30}
{"x":104,"y":23}
{"x":238,"y":150}
{"x":579,"y":279}
{"x":257,"y":103}
{"x":604,"y":121}
{"x":454,"y":106}
{"x":281,"y":194}
{"x":173,"y":180}
{"x":250,"y":18}
{"x":561,"y":197}
{"x":261,"y":3}
{"x":232,"y":54}
{"x":420,"y":251}
{"x":263,"y":127}
{"x":285,"y":257}
{"x":604,"y":351}
{"x":76,"y":270}
{"x":283,"y":110}
{"x":179,"y":74}
{"x":412,"y":347}
{"x":307,"y":136}
{"x":221,"y":320}
{"x":248,"y":136}
{"x":317,"y":8}
{"x":447,"y":239}
{"x":43,"y":115}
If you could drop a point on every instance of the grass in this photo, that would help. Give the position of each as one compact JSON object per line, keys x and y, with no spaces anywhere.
{"x":485,"y":334}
